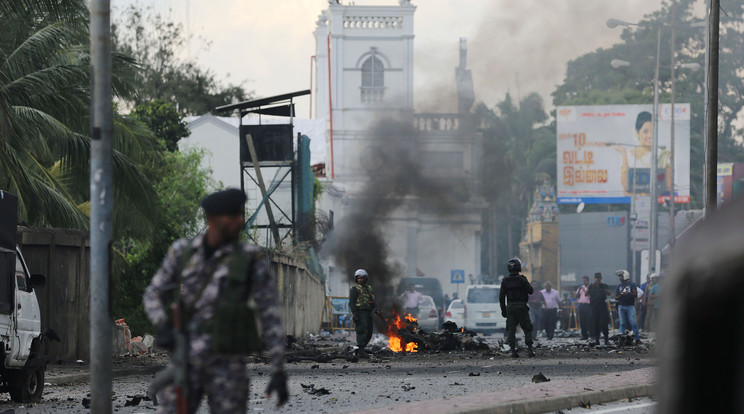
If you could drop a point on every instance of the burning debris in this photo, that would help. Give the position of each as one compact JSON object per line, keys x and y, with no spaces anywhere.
{"x":404,"y":335}
{"x":397,"y":329}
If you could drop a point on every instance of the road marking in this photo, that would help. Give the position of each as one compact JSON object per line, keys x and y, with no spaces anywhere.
{"x":613,"y":410}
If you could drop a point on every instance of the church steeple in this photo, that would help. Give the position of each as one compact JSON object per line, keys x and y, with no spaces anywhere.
{"x":371,"y":62}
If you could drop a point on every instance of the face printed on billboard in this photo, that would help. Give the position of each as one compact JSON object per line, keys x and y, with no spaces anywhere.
{"x":604,"y":153}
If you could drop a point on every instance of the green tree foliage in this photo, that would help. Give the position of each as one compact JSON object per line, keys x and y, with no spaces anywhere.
{"x":44,"y":118}
{"x":519,"y":153}
{"x":181,"y":184}
{"x":157,"y":45}
{"x":591,"y":81}
{"x":164,"y":121}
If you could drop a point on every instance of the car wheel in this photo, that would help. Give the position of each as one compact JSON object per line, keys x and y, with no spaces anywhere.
{"x":27,"y":384}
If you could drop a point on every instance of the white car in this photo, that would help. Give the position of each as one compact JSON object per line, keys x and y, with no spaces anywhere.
{"x":482,"y":309}
{"x":456,"y":313}
{"x":428,"y":317}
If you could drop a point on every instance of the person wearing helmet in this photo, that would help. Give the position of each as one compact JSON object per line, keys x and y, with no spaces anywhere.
{"x":515,"y":290}
{"x":625,"y":294}
{"x":362,"y":304}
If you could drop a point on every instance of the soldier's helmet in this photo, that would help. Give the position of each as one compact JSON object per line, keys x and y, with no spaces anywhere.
{"x":623,"y":273}
{"x":514,"y":265}
{"x":362,"y":273}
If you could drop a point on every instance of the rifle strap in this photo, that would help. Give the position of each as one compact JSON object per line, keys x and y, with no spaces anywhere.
{"x":187,"y":310}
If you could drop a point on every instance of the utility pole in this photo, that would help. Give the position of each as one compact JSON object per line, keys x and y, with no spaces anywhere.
{"x":671,"y":142}
{"x":653,"y":194}
{"x":101,"y":208}
{"x":711,"y":154}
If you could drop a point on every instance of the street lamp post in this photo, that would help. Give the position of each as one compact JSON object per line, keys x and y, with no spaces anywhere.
{"x":612,"y":23}
{"x":671,"y":143}
{"x":633,"y":213}
{"x":654,"y":164}
{"x":653,"y":225}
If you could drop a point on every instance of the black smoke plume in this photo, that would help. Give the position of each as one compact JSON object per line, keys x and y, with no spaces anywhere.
{"x":396,"y":178}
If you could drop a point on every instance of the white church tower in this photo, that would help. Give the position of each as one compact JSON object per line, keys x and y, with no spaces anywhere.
{"x":370,"y":72}
{"x":363,"y":73}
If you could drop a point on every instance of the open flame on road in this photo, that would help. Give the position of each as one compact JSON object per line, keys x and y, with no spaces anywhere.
{"x":395,"y":341}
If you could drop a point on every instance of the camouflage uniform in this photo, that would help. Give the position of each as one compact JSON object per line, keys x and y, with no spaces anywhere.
{"x":361,"y":304}
{"x":223,"y":378}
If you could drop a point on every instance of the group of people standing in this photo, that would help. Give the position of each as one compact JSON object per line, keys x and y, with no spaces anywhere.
{"x":594,"y":313}
{"x":636,"y":307}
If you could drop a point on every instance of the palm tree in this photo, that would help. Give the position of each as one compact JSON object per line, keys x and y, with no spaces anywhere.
{"x":44,"y":119}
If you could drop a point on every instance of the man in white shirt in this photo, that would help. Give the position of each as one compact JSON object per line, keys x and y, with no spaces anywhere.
{"x":550,"y":309}
{"x":411,"y":300}
{"x":585,"y":309}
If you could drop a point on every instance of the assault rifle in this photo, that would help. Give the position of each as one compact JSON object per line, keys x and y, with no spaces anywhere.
{"x":177,"y":372}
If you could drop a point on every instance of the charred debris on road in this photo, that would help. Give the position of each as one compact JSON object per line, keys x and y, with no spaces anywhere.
{"x":404,"y":336}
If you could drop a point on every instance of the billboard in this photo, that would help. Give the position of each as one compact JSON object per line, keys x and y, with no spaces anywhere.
{"x":604,"y":153}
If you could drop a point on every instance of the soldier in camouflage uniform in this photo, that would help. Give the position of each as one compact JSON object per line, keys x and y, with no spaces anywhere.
{"x":200,"y":269}
{"x":362,"y":304}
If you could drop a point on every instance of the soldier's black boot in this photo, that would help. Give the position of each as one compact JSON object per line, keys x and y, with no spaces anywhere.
{"x":514,"y":353}
{"x":530,"y":351}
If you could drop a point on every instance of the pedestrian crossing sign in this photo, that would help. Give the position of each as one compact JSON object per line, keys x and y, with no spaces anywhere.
{"x":457,"y":276}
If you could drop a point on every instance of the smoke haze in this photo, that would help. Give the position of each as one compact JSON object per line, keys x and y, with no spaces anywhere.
{"x":395,"y":178}
{"x":528,"y":40}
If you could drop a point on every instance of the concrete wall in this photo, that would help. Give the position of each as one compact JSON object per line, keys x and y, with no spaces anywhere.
{"x":301,"y":295}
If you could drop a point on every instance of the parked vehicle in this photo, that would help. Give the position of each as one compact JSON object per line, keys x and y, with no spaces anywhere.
{"x":482,"y":310}
{"x":456,"y":313}
{"x":428,"y":317}
{"x":427,"y":286}
{"x":23,"y":364}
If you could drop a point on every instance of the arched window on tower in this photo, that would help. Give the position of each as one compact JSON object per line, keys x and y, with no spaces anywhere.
{"x":373,"y":79}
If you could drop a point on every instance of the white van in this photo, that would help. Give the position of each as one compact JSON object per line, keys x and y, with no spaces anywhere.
{"x":482,"y":309}
{"x":23,"y":363}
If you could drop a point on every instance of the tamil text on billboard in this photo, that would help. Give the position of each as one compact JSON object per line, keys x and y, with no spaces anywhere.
{"x":604,"y":153}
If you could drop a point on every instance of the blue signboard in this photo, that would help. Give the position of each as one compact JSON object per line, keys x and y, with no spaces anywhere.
{"x":457,"y":276}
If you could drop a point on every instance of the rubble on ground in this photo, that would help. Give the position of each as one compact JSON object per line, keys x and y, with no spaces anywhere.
{"x":538,"y":378}
{"x":570,"y":341}
{"x":326,"y":347}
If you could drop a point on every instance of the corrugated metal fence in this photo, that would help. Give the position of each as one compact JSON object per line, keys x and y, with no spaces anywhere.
{"x":62,"y":255}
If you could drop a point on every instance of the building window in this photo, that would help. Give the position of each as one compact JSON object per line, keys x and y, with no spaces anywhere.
{"x":373,"y":79}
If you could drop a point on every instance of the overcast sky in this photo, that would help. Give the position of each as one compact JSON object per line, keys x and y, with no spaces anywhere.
{"x":268,"y":44}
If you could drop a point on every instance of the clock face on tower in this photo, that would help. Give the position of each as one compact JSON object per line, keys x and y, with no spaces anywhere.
{"x":371,"y":158}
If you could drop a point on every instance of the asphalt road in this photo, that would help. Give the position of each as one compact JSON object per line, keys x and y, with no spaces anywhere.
{"x":389,"y":381}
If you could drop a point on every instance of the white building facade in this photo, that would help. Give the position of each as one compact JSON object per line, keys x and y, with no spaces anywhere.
{"x":363,"y":73}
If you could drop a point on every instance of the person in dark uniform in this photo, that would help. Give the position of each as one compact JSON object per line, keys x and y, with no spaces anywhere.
{"x":598,"y":293}
{"x":515,"y":289}
{"x":362,"y":304}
